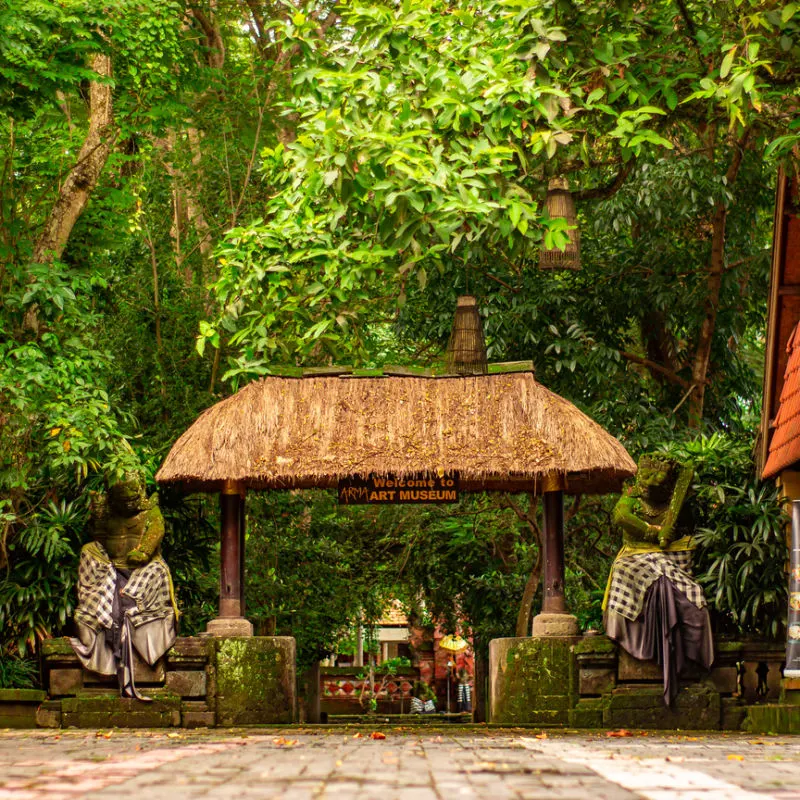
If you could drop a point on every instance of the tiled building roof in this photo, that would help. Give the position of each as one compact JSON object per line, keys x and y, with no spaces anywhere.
{"x":393,"y":614}
{"x":784,"y":446}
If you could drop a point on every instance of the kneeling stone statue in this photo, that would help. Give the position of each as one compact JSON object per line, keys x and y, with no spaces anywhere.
{"x":126,"y":601}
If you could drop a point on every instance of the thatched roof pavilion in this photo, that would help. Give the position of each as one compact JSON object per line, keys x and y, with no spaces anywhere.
{"x":499,"y":432}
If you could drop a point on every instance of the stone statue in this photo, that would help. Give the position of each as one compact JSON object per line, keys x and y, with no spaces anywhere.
{"x":653,"y":606}
{"x":126,"y":600}
{"x":649,"y":511}
{"x":127,"y":523}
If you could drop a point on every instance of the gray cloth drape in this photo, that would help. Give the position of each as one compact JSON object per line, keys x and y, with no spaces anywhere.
{"x":670,"y":630}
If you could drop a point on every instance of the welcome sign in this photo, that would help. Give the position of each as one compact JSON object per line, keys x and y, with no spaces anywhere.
{"x":387,"y":490}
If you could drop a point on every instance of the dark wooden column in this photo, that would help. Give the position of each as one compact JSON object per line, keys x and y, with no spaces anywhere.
{"x":553,"y":600}
{"x":242,"y":536}
{"x":231,"y":620}
{"x":231,"y":553}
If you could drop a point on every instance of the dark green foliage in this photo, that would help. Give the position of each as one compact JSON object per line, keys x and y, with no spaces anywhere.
{"x":313,"y":569}
{"x":191,"y":549}
{"x":18,"y":673}
{"x":740,"y":529}
{"x":37,"y":595}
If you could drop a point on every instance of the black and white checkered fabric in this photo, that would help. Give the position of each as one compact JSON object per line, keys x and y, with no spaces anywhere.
{"x":96,"y":581}
{"x":632,"y":576}
{"x":148,"y":586}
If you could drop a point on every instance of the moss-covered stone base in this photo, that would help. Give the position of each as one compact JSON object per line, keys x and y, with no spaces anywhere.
{"x":18,"y":707}
{"x":775,"y":718}
{"x":255,"y":680}
{"x":532,"y":680}
{"x":112,"y":711}
{"x":697,"y":707}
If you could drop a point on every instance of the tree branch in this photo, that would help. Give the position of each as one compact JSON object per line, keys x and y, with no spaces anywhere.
{"x":654,"y":367}
{"x":611,"y":188}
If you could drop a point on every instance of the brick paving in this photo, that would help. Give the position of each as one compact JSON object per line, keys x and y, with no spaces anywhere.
{"x":325,"y":763}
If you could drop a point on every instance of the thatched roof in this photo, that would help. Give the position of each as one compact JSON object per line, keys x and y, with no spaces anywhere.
{"x":498,"y":431}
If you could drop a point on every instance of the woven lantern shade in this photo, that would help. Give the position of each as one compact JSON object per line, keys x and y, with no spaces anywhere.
{"x":559,"y":203}
{"x":466,"y":350}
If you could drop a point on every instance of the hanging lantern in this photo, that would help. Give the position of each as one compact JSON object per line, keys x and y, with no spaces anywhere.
{"x":559,"y":203}
{"x":466,"y":350}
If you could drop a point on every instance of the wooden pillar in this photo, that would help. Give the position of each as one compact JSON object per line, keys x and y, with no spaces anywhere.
{"x":231,"y":556}
{"x":242,"y":536}
{"x":553,"y":600}
{"x":554,"y":619}
{"x":231,"y":621}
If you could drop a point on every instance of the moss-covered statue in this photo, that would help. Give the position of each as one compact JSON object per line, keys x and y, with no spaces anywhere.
{"x":653,"y":607}
{"x":125,"y":597}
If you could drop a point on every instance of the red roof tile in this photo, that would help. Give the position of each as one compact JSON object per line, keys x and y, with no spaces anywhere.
{"x":784,"y":446}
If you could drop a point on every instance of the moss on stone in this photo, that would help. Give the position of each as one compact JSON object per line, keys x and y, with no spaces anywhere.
{"x":535,"y":683}
{"x":722,"y":646}
{"x":57,"y":647}
{"x":22,"y":696}
{"x":773,"y":718}
{"x":697,"y":707}
{"x":594,"y":644}
{"x":255,"y":679}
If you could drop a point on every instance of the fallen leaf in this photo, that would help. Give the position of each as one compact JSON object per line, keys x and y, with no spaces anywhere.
{"x":541,"y":736}
{"x":377,"y":735}
{"x":280,"y":741}
{"x":619,"y":734}
{"x":339,"y":763}
{"x":735,"y":757}
{"x":173,"y":736}
{"x":358,"y":735}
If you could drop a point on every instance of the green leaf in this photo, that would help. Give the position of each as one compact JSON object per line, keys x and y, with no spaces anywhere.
{"x":727,"y":63}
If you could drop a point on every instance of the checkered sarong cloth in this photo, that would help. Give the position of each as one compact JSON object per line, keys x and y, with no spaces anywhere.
{"x":632,"y":576}
{"x":97,"y":579}
{"x":148,"y":586}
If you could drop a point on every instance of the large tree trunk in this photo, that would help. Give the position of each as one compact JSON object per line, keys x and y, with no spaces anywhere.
{"x":716,"y":269}
{"x":77,"y":188}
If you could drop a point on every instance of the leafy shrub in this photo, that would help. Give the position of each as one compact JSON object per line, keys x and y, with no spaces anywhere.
{"x":37,"y":594}
{"x":739,"y":526}
{"x":391,"y":665}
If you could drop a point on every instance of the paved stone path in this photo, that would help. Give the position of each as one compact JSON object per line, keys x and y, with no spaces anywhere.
{"x":408,"y":765}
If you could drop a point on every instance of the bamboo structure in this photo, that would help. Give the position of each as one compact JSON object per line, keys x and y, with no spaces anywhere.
{"x":560,"y":203}
{"x":466,"y":350}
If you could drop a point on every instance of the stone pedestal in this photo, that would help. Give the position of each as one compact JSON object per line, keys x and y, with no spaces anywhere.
{"x":555,"y":625}
{"x":224,"y":627}
{"x":255,"y":680}
{"x":531,"y":680}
